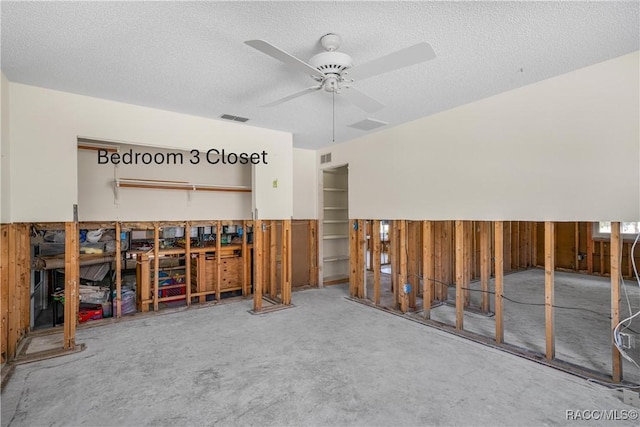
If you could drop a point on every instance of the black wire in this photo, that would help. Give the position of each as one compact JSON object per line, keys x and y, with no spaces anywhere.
{"x":451,"y":285}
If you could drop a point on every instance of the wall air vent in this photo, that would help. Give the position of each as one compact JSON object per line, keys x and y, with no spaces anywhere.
{"x":234,"y":118}
{"x":325,"y":158}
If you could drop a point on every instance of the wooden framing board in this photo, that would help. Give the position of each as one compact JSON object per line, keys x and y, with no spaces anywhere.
{"x":118,"y":312}
{"x":498,"y":248}
{"x":313,"y":252}
{"x":428,"y":267}
{"x":218,"y":259}
{"x":353,"y":257}
{"x":187,"y":261}
{"x":403,"y":297}
{"x":614,"y":254}
{"x":375,"y":238}
{"x":485,"y":263}
{"x":285,"y":262}
{"x":272,"y":234}
{"x":590,"y":249}
{"x":466,"y":251}
{"x":413,"y":267}
{"x":257,"y":265}
{"x":361,"y":233}
{"x":4,"y":292}
{"x":71,"y":276}
{"x":460,"y":273}
{"x":245,"y":260}
{"x":156,"y":264}
{"x":534,"y":244}
{"x":549,"y":276}
{"x":393,"y":259}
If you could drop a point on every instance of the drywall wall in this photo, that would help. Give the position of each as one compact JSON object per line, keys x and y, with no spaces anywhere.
{"x":100,"y":200}
{"x":563,"y":149}
{"x":305,"y":184}
{"x":45,"y":125}
{"x":5,"y":150}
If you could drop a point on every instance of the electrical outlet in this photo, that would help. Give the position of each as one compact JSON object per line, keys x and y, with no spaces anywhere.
{"x":628,"y":342}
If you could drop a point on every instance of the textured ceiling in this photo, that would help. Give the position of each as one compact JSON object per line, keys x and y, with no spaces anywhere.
{"x":190,"y":56}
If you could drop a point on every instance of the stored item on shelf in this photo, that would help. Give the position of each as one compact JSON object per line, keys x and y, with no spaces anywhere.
{"x":89,"y":312}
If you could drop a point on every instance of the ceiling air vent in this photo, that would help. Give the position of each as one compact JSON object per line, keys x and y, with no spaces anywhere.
{"x":325,"y":158}
{"x":234,"y":118}
{"x":368,"y":124}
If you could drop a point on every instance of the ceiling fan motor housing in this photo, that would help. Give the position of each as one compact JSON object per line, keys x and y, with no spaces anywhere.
{"x":331,"y":62}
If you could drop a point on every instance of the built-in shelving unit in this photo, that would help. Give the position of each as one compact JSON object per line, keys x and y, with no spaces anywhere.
{"x":335,"y":230}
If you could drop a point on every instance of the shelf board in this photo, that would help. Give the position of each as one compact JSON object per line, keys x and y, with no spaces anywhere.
{"x":335,"y":208}
{"x":335,"y":221}
{"x":336,"y":258}
{"x":340,"y":190}
{"x":335,"y":236}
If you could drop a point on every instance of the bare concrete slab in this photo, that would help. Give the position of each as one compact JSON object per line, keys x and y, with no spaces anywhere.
{"x":327,"y":361}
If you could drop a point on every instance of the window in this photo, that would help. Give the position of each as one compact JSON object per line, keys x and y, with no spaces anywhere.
{"x":627,"y":229}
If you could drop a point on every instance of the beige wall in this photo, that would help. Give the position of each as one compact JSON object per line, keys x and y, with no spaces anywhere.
{"x":99,"y":200}
{"x":45,"y":125}
{"x":566,"y":148}
{"x":5,"y":167}
{"x":305,"y":184}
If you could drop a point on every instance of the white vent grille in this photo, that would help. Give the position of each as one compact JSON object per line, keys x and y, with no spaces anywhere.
{"x":325,"y":158}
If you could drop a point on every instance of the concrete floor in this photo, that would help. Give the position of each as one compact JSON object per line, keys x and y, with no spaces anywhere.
{"x":582,"y":331}
{"x":326,"y":361}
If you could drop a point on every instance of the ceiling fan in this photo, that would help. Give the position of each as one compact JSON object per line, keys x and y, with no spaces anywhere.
{"x":334,"y":71}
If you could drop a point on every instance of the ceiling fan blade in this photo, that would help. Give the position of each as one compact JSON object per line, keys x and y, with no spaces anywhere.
{"x":361,"y":100}
{"x":293,"y":95}
{"x":411,"y":55}
{"x":281,"y":55}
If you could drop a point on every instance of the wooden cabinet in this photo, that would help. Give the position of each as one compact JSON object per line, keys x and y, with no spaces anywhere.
{"x":205,"y":278}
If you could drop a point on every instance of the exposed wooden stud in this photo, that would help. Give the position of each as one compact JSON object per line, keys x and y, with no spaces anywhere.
{"x":393,"y":265}
{"x":13,"y":330}
{"x":313,"y":252}
{"x":402,"y":271}
{"x":4,"y":292}
{"x":534,"y":244}
{"x":498,"y":248}
{"x":24,"y":276}
{"x":614,"y":256}
{"x":118,"y":312}
{"x":549,"y":275}
{"x":507,"y":245}
{"x":466,"y":252}
{"x":485,"y":263}
{"x":218,"y":259}
{"x":273,"y":258}
{"x":156,"y":264}
{"x":245,"y":260}
{"x":187,"y":262}
{"x":577,"y":246}
{"x":71,"y":295}
{"x":438,"y":260}
{"x":602,"y":257}
{"x":413,"y":270}
{"x":362,"y":259}
{"x":285,"y":262}
{"x":258,"y":263}
{"x":375,"y":237}
{"x":201,"y":285}
{"x":353,"y":257}
{"x":590,"y":248}
{"x":428,"y":267}
{"x":459,"y":236}
{"x":369,"y":245}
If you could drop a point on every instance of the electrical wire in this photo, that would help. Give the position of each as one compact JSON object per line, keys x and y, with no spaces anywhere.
{"x":617,"y":339}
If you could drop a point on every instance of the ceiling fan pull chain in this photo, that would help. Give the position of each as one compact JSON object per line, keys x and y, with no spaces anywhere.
{"x":334,"y":116}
